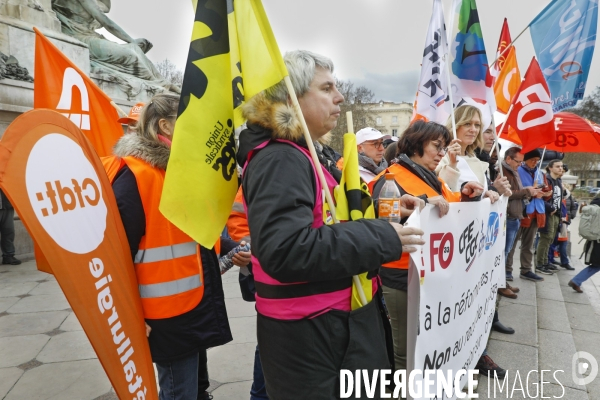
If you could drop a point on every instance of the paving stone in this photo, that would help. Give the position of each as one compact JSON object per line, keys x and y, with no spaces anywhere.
{"x":583,"y":317}
{"x":234,"y":390}
{"x":71,"y":324}
{"x":522,"y":318}
{"x":526,"y":295}
{"x":243,"y":329}
{"x":556,"y":353}
{"x":31,"y":323}
{"x":549,"y":292}
{"x":564,"y":392}
{"x":237,"y":307}
{"x":564,"y":277}
{"x":552,"y":315}
{"x":68,"y":346}
{"x":11,"y":289}
{"x":571,"y":296}
{"x":588,"y":341}
{"x":232,"y":362}
{"x":77,"y":380}
{"x":21,"y":275}
{"x":43,"y":302}
{"x":232,"y":290}
{"x":7,"y":302}
{"x":513,"y":357}
{"x":47,"y":287}
{"x":8,"y":377}
{"x":16,"y":350}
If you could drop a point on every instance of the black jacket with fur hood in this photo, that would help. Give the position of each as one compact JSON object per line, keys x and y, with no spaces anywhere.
{"x":204,"y":326}
{"x":279,"y":189}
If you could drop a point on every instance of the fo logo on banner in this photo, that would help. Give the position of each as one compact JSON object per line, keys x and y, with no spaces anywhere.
{"x":65,"y":194}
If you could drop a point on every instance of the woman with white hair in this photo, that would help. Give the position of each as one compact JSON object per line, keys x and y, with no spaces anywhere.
{"x":303,"y":266}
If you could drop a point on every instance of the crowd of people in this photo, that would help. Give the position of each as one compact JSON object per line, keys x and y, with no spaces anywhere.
{"x":300,"y":268}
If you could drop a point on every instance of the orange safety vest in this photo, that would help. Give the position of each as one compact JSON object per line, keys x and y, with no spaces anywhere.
{"x":237,"y":223}
{"x":168,"y":263}
{"x":415,"y":186}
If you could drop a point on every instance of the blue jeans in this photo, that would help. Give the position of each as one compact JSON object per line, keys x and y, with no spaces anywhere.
{"x":585,"y":274}
{"x":183,"y":379}
{"x":512,"y":227}
{"x":258,"y":390}
{"x":561,"y":247}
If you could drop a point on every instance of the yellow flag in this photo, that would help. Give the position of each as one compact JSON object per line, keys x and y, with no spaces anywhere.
{"x":233,"y":56}
{"x":353,"y":202}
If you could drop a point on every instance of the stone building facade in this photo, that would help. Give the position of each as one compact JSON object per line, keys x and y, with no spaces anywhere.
{"x":391,"y":118}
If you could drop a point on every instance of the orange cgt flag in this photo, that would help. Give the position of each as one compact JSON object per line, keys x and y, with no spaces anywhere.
{"x":507,"y":76}
{"x":57,"y":184}
{"x":59,"y":85}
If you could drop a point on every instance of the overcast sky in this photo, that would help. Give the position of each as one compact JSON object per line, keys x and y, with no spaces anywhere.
{"x":375,"y":43}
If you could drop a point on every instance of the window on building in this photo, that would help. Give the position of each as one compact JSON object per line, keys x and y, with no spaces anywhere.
{"x":394,"y":132}
{"x":395,"y":119}
{"x":582,"y":183}
{"x":379,"y":121}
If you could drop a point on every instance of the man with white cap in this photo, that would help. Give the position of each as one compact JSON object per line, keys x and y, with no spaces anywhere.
{"x":132,"y":119}
{"x":370,"y":153}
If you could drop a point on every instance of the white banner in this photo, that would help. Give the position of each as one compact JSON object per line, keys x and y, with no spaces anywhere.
{"x":453,"y":285}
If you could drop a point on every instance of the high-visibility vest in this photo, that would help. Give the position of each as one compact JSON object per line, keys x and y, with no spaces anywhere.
{"x":168,"y":263}
{"x":298,"y":300}
{"x":237,"y":223}
{"x":415,"y":186}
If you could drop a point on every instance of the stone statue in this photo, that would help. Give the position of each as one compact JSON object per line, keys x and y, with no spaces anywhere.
{"x":80,"y":19}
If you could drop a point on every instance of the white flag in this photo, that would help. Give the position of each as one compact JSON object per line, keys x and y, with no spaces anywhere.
{"x":432,"y":102}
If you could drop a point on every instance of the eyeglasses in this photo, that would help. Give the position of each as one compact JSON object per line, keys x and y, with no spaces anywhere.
{"x":440,"y":149}
{"x":375,"y":144}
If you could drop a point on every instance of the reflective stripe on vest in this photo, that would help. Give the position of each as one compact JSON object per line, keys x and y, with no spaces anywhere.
{"x":167,"y":265}
{"x":415,"y":186}
{"x":170,"y":288}
{"x":165,"y":253}
{"x":294,"y":301}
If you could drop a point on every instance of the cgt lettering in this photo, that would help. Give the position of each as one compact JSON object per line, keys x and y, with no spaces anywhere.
{"x":67,"y":198}
{"x":467,"y":243}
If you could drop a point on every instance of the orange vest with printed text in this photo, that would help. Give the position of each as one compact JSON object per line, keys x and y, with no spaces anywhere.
{"x":168,"y":263}
{"x":415,"y":186}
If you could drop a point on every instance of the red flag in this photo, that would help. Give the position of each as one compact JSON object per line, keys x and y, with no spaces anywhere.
{"x":507,"y":77}
{"x":532,"y":116}
{"x":59,"y":85}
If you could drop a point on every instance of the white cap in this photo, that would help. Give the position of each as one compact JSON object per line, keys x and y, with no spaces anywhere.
{"x":367,"y":133}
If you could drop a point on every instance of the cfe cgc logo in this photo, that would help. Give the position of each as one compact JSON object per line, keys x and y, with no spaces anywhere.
{"x":65,"y":193}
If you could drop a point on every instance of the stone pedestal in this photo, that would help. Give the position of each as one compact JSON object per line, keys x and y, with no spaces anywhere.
{"x":17,"y":39}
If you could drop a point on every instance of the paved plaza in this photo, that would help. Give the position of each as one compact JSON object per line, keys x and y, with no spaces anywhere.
{"x":44,"y":353}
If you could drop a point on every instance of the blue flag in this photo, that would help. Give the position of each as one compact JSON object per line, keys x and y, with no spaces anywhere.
{"x":564,"y":36}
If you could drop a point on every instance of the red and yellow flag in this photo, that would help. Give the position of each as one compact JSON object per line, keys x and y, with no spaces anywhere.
{"x":507,"y":76}
{"x":59,"y":85}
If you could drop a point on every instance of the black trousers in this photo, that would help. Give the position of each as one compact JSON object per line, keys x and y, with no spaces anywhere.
{"x":7,"y":232}
{"x":302,"y":359}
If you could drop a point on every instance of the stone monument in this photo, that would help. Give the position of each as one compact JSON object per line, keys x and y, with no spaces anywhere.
{"x":123,"y":72}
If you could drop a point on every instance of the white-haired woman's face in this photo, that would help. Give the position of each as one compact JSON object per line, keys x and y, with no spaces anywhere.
{"x":321,"y":104}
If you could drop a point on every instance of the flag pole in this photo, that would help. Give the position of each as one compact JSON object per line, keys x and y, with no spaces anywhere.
{"x":313,"y":154}
{"x":508,"y":47}
{"x":357,"y":284}
{"x":539,"y":167}
{"x":496,"y":144}
{"x":451,"y":100}
{"x":119,"y":110}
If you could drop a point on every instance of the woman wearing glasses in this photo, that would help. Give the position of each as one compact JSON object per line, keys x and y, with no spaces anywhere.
{"x":419,"y":151}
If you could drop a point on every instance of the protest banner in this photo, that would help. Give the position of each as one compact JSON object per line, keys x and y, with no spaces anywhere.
{"x":453,"y":285}
{"x":56,"y":182}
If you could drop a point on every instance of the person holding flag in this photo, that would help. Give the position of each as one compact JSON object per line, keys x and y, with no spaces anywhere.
{"x":303,"y":267}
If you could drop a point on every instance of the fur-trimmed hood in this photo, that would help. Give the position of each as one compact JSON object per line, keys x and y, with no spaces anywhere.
{"x":153,"y":152}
